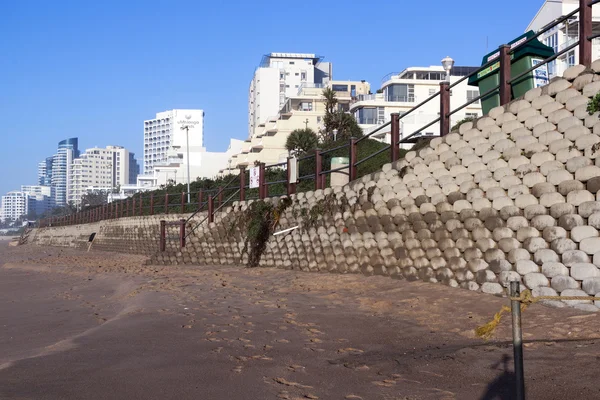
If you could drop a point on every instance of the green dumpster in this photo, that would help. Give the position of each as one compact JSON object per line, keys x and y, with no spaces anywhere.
{"x":522,"y":59}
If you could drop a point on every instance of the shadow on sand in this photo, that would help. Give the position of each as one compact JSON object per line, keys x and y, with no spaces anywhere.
{"x":504,"y":386}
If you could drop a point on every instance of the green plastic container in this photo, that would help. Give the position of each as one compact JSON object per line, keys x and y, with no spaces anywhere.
{"x":522,"y":59}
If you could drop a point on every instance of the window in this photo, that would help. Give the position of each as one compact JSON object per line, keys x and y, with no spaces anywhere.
{"x":366,"y":116}
{"x":472,"y":94}
{"x":281,"y":75}
{"x":297,"y":73}
{"x":471,"y":115}
{"x":319,"y":119}
{"x":292,"y":62}
{"x":303,"y":76}
{"x":400,"y":92}
{"x":571,"y":58}
{"x":339,"y":88}
{"x":306,"y":106}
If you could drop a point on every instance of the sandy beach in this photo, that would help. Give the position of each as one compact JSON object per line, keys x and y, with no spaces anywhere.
{"x":79,"y":325}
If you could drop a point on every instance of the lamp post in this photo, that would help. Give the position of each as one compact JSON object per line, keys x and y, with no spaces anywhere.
{"x":187,"y":148}
{"x":447,"y":63}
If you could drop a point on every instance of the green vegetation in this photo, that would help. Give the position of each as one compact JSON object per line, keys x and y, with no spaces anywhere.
{"x":594,"y":104}
{"x":301,"y":141}
{"x":462,"y":121}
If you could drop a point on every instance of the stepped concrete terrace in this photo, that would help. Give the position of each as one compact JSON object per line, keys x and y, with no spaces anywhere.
{"x":512,"y":196}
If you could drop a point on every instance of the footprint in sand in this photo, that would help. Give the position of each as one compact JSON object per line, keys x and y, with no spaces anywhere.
{"x":350,"y":350}
{"x":296,"y":368}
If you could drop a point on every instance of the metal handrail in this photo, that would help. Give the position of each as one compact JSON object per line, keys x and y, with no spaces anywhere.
{"x":281,"y":164}
{"x":335,"y":148}
{"x":276,"y":182}
{"x":213,"y":213}
{"x":218,"y":192}
{"x":418,"y":131}
{"x":468,"y":103}
{"x":334,"y":170}
{"x":372,"y":133}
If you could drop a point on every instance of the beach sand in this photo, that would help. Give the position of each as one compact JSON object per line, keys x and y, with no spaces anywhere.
{"x":78,"y":325}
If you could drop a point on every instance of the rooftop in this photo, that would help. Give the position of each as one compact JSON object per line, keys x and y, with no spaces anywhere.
{"x":265,"y":62}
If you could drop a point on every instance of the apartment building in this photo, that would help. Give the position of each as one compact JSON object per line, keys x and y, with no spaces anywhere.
{"x":97,"y":168}
{"x":45,"y":172}
{"x":67,"y":151}
{"x":15,"y":205}
{"x":564,"y":34}
{"x":41,"y":198}
{"x":278,"y":77}
{"x":304,"y":109}
{"x":401,"y":91}
{"x":164,"y":133}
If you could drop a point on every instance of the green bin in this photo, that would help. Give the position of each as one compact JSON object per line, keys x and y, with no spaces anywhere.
{"x":523,"y":58}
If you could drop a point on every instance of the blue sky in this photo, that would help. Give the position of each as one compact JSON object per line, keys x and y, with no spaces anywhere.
{"x":96,"y":70}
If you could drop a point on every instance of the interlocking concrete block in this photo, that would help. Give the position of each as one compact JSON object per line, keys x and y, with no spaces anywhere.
{"x":572,"y":257}
{"x":508,"y":244}
{"x":562,"y":283}
{"x":509,"y":181}
{"x":543,"y":256}
{"x":533,"y":118}
{"x":593,"y":185}
{"x":524,"y":200}
{"x":576,"y":132}
{"x":548,"y":137}
{"x":553,"y":269}
{"x":492,"y":288}
{"x":557,"y":145}
{"x":588,"y":172}
{"x":504,"y":117}
{"x":573,"y":72}
{"x":570,"y":221}
{"x":542,"y":222}
{"x":495,"y":165}
{"x":527,"y":232}
{"x":551,"y":199}
{"x":542,"y":127}
{"x":517,"y":190}
{"x":509,"y":126}
{"x":481,"y":176}
{"x":569,"y":186}
{"x":580,"y":233}
{"x":591,"y":89}
{"x":518,"y":254}
{"x":577,"y":197}
{"x":559,"y":85}
{"x":589,"y":245}
{"x":591,"y":285}
{"x":554,"y":232}
{"x":569,"y":122}
{"x":540,"y":101}
{"x":594,"y":220}
{"x":562,"y":245}
{"x":549,"y":166}
{"x":582,"y":80}
{"x":585,"y":142}
{"x":558,"y":116}
{"x":535,"y":279}
{"x":566,"y":154}
{"x":576,"y":163}
{"x":581,"y":271}
{"x":524,"y":267}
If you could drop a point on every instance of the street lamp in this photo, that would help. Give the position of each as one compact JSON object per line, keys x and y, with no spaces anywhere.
{"x":187,"y":148}
{"x":447,"y":63}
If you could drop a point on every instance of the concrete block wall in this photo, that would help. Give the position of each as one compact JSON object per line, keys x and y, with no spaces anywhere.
{"x":511,"y":196}
{"x":134,"y":235}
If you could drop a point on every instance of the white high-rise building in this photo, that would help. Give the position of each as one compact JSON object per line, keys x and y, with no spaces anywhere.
{"x":164,"y":132}
{"x":14,"y":205}
{"x":103,"y":169}
{"x":280,"y":76}
{"x":564,"y":34}
{"x":41,"y":198}
{"x":61,"y":166}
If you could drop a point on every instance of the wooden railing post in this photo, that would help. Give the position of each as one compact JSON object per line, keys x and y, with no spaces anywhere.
{"x":291,"y":187}
{"x":352,"y":159}
{"x":163,"y":235}
{"x":505,"y":91}
{"x":151,"y":203}
{"x":444,"y":108}
{"x":318,"y":168}
{"x":242,"y":183}
{"x":395,"y":137}
{"x":141,"y":204}
{"x":133,"y":207}
{"x":127,"y":205}
{"x":211,"y":209}
{"x":261,"y":181}
{"x":166,"y":203}
{"x":183,"y":194}
{"x":182,"y":233}
{"x":200,"y":199}
{"x":585,"y":31}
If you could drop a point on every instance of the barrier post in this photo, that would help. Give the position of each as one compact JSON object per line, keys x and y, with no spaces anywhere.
{"x":515,"y":306}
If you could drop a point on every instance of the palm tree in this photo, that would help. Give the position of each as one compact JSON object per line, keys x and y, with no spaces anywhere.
{"x":301,"y":141}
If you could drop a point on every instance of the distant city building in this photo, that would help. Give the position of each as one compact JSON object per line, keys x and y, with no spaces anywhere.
{"x":134,"y":169}
{"x":98,"y":169}
{"x":41,"y":198}
{"x":402,"y":91}
{"x":61,"y":164}
{"x":45,"y":172}
{"x":15,"y":205}
{"x":164,"y":133}
{"x":278,"y":77}
{"x":564,"y":34}
{"x":304,"y":109}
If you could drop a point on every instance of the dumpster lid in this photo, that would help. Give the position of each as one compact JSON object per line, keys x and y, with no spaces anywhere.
{"x":534,"y":47}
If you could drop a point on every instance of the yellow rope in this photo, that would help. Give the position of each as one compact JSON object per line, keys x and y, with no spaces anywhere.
{"x":525,"y":298}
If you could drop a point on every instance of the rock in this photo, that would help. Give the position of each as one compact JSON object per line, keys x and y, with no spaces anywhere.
{"x":572,"y":257}
{"x":552,"y":269}
{"x":588,"y":172}
{"x":580,"y":233}
{"x":581,"y":271}
{"x":544,"y":256}
{"x":588,"y":208}
{"x":561,"y":283}
{"x":492,"y":288}
{"x":566,"y":187}
{"x":505,"y":277}
{"x":499,"y":265}
{"x":525,"y":267}
{"x":574,"y":292}
{"x":562,"y":245}
{"x":554,"y":232}
{"x":590,"y":245}
{"x":591,"y":285}
{"x":570,"y":221}
{"x":535,"y":279}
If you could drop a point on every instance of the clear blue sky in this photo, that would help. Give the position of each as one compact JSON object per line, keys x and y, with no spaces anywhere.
{"x":97,"y":69}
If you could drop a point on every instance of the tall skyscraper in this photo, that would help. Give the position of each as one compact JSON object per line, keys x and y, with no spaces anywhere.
{"x":45,"y":172}
{"x":134,"y":169}
{"x":164,"y":133}
{"x":61,"y":163}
